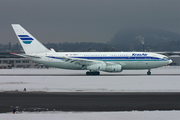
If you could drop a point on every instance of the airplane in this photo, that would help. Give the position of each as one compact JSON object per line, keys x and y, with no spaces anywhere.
{"x":94,"y":62}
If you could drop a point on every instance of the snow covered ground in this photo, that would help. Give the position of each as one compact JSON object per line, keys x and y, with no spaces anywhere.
{"x":134,"y":115}
{"x":161,"y":70}
{"x":125,"y":83}
{"x":92,"y":84}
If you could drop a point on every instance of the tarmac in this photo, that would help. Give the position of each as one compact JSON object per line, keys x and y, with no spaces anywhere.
{"x":64,"y":101}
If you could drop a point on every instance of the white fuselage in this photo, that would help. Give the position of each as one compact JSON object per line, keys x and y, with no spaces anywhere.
{"x":128,"y":60}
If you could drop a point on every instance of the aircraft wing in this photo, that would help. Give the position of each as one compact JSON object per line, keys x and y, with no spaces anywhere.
{"x":80,"y":61}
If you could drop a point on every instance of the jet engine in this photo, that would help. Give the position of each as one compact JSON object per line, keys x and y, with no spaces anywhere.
{"x":105,"y":67}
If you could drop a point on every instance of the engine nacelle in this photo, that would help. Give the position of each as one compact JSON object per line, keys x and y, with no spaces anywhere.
{"x":105,"y":67}
{"x":113,"y":68}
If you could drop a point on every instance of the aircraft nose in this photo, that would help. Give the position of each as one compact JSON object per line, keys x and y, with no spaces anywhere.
{"x":170,"y":61}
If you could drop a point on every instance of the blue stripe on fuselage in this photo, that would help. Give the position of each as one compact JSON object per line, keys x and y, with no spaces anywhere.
{"x":117,"y":58}
{"x":122,"y":58}
{"x":55,"y":57}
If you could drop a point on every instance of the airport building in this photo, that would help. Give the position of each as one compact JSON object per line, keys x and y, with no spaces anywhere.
{"x":16,"y":62}
{"x":175,"y":59}
{"x":174,"y":56}
{"x":8,"y":60}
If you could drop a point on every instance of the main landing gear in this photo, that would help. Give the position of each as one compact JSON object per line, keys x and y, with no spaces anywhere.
{"x":149,"y":72}
{"x":93,"y":73}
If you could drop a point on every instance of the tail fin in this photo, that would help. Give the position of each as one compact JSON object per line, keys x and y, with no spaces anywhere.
{"x":29,"y":43}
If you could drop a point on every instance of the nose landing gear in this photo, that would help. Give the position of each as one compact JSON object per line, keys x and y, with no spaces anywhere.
{"x":149,"y":72}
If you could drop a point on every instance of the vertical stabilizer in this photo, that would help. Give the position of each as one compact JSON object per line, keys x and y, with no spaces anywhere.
{"x":30,"y":44}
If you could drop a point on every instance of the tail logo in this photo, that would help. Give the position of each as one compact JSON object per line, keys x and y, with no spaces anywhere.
{"x":26,"y":39}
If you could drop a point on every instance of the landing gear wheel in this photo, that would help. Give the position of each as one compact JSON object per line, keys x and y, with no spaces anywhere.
{"x":87,"y":73}
{"x":92,"y":73}
{"x":149,"y":73}
{"x":96,"y":73}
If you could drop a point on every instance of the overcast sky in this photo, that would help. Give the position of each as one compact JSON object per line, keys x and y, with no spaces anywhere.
{"x":85,"y":20}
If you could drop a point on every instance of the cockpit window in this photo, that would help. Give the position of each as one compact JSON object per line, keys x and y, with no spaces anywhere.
{"x":166,"y":58}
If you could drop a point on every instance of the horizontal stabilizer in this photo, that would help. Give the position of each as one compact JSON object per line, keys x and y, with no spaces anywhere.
{"x":25,"y":55}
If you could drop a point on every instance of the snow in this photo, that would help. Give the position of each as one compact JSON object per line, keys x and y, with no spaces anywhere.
{"x":158,"y":83}
{"x":161,"y":70}
{"x":133,"y":115}
{"x":91,"y":83}
{"x":124,"y":83}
